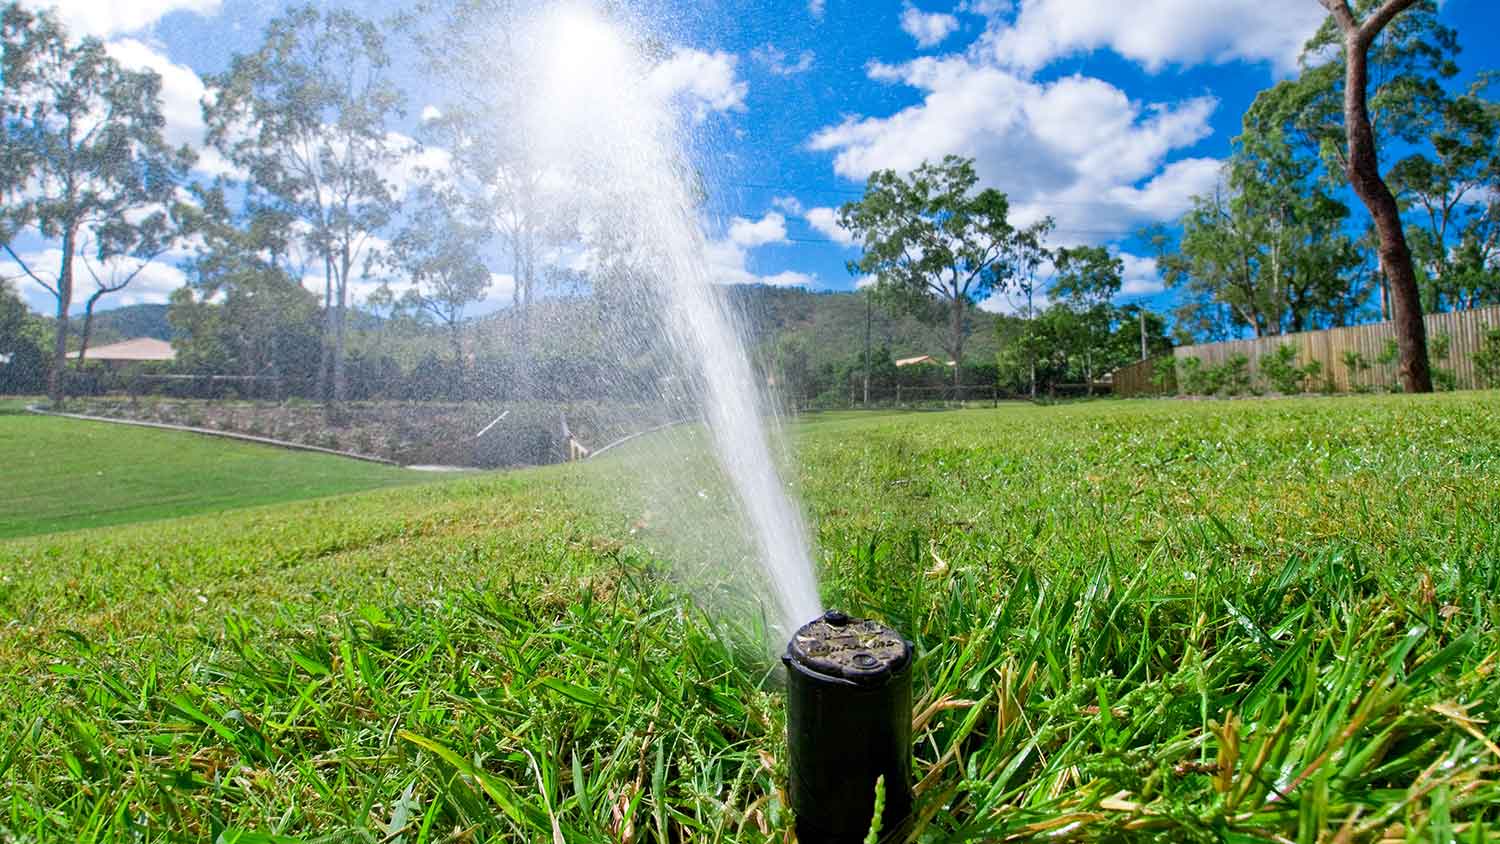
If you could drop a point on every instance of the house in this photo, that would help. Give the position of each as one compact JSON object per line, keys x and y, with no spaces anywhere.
{"x":919,"y":360}
{"x":138,"y":350}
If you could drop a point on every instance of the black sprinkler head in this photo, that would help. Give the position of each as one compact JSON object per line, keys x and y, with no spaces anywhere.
{"x":848,"y":722}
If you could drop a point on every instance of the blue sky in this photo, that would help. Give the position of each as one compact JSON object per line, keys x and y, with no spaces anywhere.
{"x":1105,"y":114}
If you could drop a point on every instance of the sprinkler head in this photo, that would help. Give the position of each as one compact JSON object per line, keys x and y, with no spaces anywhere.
{"x":848,"y":723}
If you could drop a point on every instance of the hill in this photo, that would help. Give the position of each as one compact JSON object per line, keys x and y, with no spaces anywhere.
{"x":831,"y":325}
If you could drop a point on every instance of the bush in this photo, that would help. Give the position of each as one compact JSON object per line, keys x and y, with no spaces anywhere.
{"x":1234,"y":374}
{"x":1487,"y":359}
{"x":1281,"y":370}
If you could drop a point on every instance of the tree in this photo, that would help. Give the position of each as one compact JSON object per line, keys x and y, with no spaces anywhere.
{"x":1088,"y":277}
{"x":1452,"y":191}
{"x":439,"y":253}
{"x":305,"y":116}
{"x":83,"y":142}
{"x":1028,"y":254}
{"x":1267,"y":249}
{"x":506,"y":187}
{"x":244,"y":309}
{"x":930,"y":239}
{"x":1362,"y":168}
{"x":22,"y":362}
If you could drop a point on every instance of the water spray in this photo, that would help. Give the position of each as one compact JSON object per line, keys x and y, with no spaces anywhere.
{"x":848,"y":723}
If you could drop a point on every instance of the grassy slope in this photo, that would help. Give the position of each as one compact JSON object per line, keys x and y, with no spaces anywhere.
{"x":63,"y":474}
{"x":1187,"y":621}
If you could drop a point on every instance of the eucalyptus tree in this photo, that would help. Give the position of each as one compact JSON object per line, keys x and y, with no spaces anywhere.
{"x":1451,"y":190}
{"x":933,"y":243}
{"x":438,"y":251}
{"x":1028,"y":252}
{"x":85,"y":161}
{"x":500,"y":178}
{"x":1372,"y":72}
{"x":1088,"y":278}
{"x":306,"y":116}
{"x":245,"y":278}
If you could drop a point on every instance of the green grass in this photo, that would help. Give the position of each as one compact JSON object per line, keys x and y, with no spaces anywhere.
{"x":1242,"y":621}
{"x":65,"y":474}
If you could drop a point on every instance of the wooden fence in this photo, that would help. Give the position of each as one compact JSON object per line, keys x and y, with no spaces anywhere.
{"x":1465,"y":331}
{"x":1150,"y":377}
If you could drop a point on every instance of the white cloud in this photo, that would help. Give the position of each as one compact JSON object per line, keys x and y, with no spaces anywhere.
{"x":928,"y":28}
{"x":431,"y":113}
{"x":825,"y":221}
{"x":728,"y":258}
{"x":705,"y":81}
{"x":415,"y":163}
{"x":864,"y":281}
{"x":816,"y":8}
{"x":1156,"y":33}
{"x":751,"y":233}
{"x":777,"y":61}
{"x":789,"y":204}
{"x":789,"y":278}
{"x":103,"y":18}
{"x":182,"y":93}
{"x":1076,"y":148}
{"x":1142,"y":278}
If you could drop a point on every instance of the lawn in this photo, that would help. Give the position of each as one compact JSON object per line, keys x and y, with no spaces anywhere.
{"x":64,"y":474}
{"x":1247,"y":621}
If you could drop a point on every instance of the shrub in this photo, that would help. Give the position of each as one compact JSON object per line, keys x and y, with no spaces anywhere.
{"x":1234,"y":374}
{"x":1195,"y":380}
{"x":1354,"y":364}
{"x":1438,"y":347}
{"x":1487,"y":359}
{"x":1281,"y":370}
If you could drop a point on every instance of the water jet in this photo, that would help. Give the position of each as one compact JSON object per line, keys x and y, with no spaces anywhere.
{"x":848,"y":723}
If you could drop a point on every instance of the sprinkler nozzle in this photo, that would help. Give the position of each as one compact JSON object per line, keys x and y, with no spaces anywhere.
{"x":848,"y":723}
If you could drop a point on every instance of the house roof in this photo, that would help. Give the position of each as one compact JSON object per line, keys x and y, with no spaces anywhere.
{"x":138,"y":349}
{"x":920,"y":359}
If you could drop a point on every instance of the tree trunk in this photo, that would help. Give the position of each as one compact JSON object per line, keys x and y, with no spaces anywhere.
{"x":55,"y":384}
{"x":1363,"y":171}
{"x":88,"y":328}
{"x":325,"y":350}
{"x":338,"y":331}
{"x":956,"y":342}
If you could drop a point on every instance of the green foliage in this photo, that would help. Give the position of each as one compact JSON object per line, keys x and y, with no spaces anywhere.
{"x":934,"y":244}
{"x":1236,"y":374}
{"x":1281,"y":371}
{"x":84,"y":135}
{"x":1487,"y":358}
{"x":1285,"y":632}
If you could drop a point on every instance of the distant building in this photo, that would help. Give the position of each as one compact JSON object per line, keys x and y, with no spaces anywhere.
{"x":920,"y":360}
{"x":138,"y":350}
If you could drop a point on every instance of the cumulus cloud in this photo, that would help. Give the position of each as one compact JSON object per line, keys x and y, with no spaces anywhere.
{"x":705,"y":81}
{"x":104,"y":18}
{"x":1075,"y":147}
{"x":729,"y":257}
{"x":182,"y":93}
{"x":1141,"y":277}
{"x":789,"y":204}
{"x":1155,"y":33}
{"x":816,"y":8}
{"x":825,"y":221}
{"x":928,"y":28}
{"x":777,"y":61}
{"x":751,"y":233}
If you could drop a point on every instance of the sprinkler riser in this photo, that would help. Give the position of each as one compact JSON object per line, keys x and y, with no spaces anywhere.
{"x":843,"y":734}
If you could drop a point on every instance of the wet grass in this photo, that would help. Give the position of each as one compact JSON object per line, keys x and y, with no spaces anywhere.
{"x":66,"y":474}
{"x":1246,"y":621}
